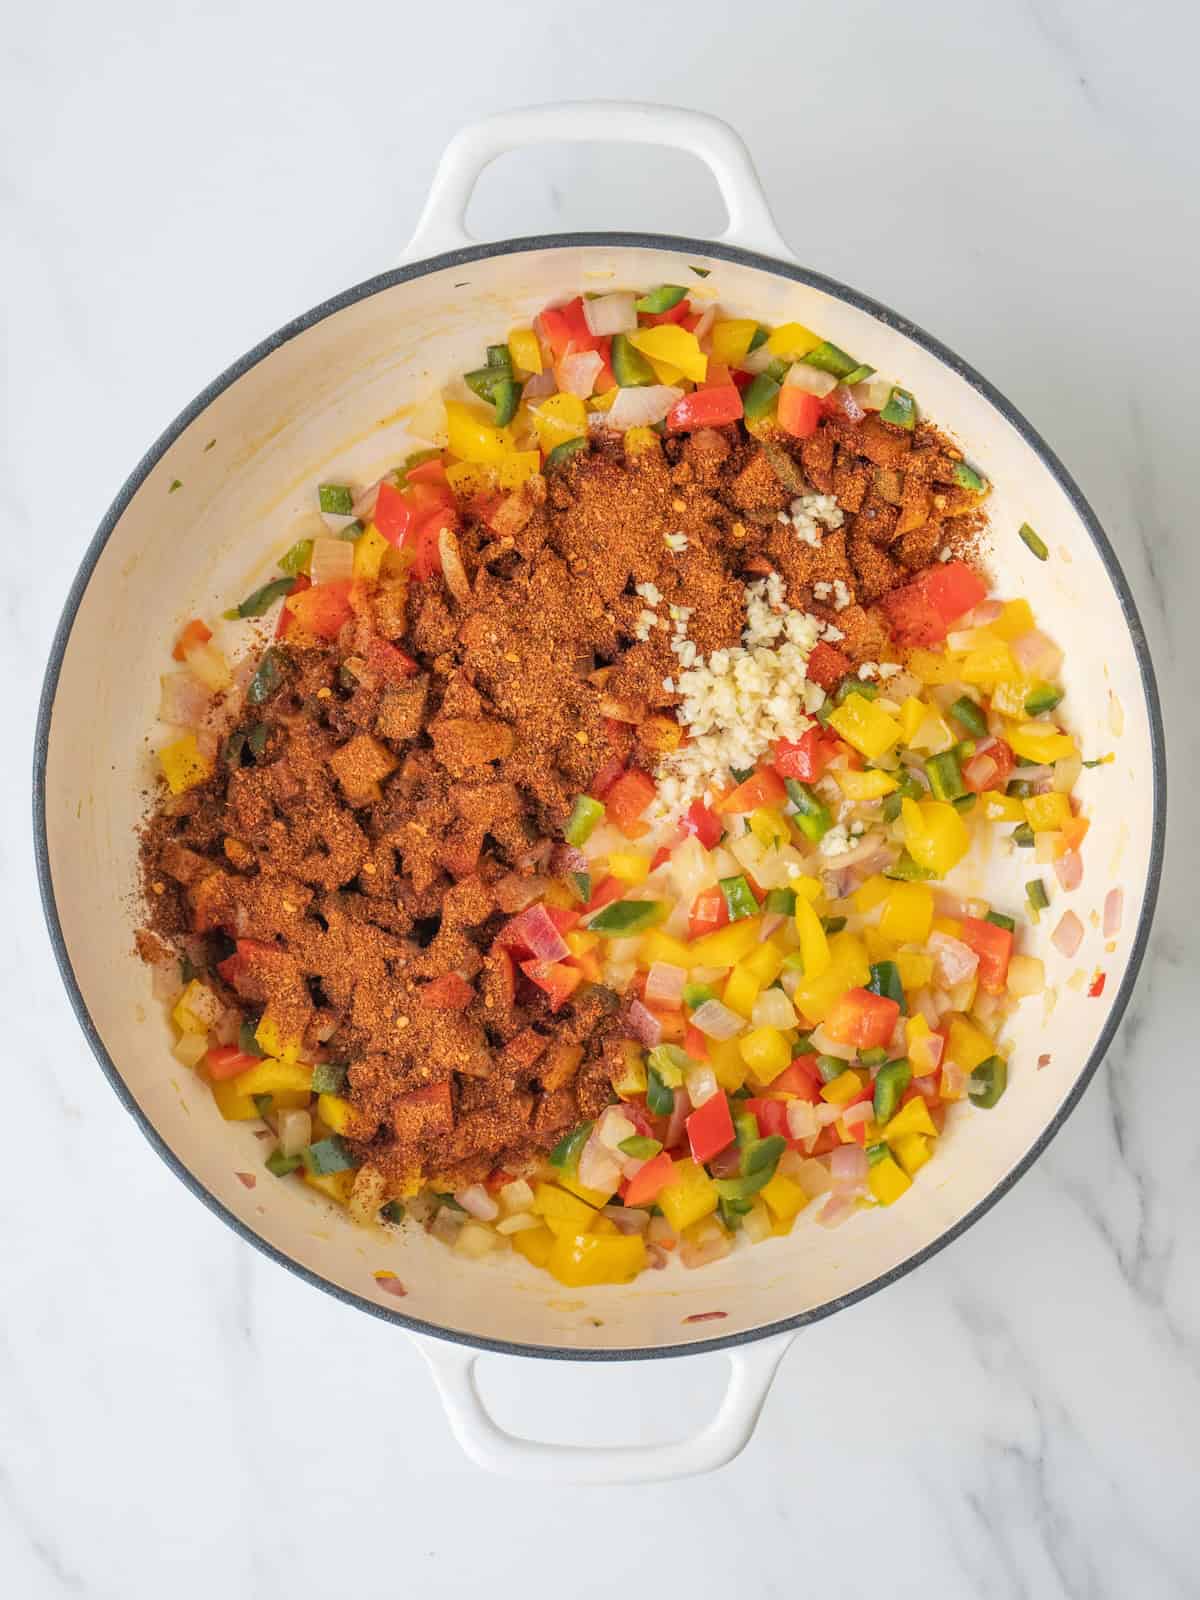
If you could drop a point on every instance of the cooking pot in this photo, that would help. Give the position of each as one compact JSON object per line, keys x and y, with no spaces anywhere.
{"x":338,"y":394}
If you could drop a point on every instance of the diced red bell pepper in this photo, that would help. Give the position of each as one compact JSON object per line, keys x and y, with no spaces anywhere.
{"x":580,"y":335}
{"x":605,"y":379}
{"x":426,"y":498}
{"x":826,"y":1141}
{"x":190,"y":635}
{"x":827,"y":665}
{"x":562,"y":918}
{"x":227,"y":1061}
{"x":710,"y":1128}
{"x":862,"y":1019}
{"x":660,"y":319}
{"x":431,"y":471}
{"x":709,"y":912}
{"x":619,"y":735}
{"x":806,"y":757}
{"x":705,"y":408}
{"x":695,"y":1043}
{"x":771,"y":1116}
{"x":428,"y":559}
{"x":953,"y":589}
{"x":799,"y":412}
{"x":533,"y":931}
{"x":1096,"y":987}
{"x":704,"y":822}
{"x":979,"y":777}
{"x":627,"y":799}
{"x":603,"y":894}
{"x":556,"y":978}
{"x":394,"y":514}
{"x":525,"y":1049}
{"x":660,"y":857}
{"x":762,"y":788}
{"x":674,"y":1029}
{"x":801,"y":1079}
{"x":606,"y":777}
{"x":448,"y":993}
{"x":912,"y":618}
{"x":286,"y":616}
{"x":718,"y":376}
{"x":993,"y":946}
{"x":644,"y":1188}
{"x":389,"y":663}
{"x":555,"y":330}
{"x":501,"y":963}
{"x":324,"y":609}
{"x":742,"y":380}
{"x":434,"y":1101}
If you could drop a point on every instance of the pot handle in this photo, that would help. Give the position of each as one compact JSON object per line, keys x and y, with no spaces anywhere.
{"x":752,"y":1367}
{"x":442,"y":225}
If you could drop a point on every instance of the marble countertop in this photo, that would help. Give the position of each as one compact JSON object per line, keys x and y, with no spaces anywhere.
{"x":178,"y":1416}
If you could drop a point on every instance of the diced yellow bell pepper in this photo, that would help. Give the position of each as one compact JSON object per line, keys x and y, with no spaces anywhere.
{"x":784,"y":1197}
{"x":665,"y":372}
{"x":472,"y":438}
{"x":917,"y":1042}
{"x":936,"y":836}
{"x":915,"y":969}
{"x":233,"y":1105}
{"x":690,"y":1195}
{"x":1047,"y":812}
{"x":271,"y":1076}
{"x":911,"y":1118}
{"x":591,"y":1197}
{"x":603,"y":402}
{"x":558,"y":418}
{"x":912,"y":715}
{"x":1013,"y":621}
{"x":629,"y":866}
{"x":766,"y":1052}
{"x":1040,"y":742}
{"x":912,"y":1151}
{"x":726,"y":945}
{"x":814,"y":944}
{"x":907,"y":913}
{"x":631,"y":1078}
{"x":999,"y":807}
{"x":369,"y":550}
{"x":196,"y":1009}
{"x":807,"y":889}
{"x":866,"y":725}
{"x":270,"y":1039}
{"x":725,"y":1059}
{"x":1008,"y":699}
{"x":535,"y":1244}
{"x":659,"y":946}
{"x":335,"y":1186}
{"x":848,"y":969}
{"x":524,"y":351}
{"x":932,"y":667}
{"x":933,"y":734}
{"x":518,"y":467}
{"x":184,"y":764}
{"x":335,"y":1112}
{"x":467,"y":478}
{"x":847,"y":1086}
{"x":641,"y":442}
{"x":766,"y":963}
{"x":731,"y":339}
{"x":669,"y":342}
{"x":967,"y":1044}
{"x":742,"y":989}
{"x":563,"y":1213}
{"x":887,"y":1181}
{"x":873,"y":892}
{"x":989,"y":661}
{"x":583,"y":1259}
{"x":878,"y":948}
{"x":604,"y":1225}
{"x":769,"y":827}
{"x":791,"y":340}
{"x":872,"y":784}
{"x":950,"y":926}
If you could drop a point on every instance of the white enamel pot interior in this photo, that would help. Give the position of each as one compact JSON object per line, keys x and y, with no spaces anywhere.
{"x":340,"y":394}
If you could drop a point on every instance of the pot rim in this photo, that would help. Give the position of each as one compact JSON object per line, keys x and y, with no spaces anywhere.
{"x":703,"y":249}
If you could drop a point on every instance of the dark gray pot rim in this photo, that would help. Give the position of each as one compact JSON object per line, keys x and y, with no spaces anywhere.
{"x":702,"y":251}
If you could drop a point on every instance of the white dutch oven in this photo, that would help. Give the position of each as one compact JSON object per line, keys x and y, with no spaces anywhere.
{"x":332,"y":395}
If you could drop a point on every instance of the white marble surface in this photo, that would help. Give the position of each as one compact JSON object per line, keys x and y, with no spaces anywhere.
{"x":178,"y":1416}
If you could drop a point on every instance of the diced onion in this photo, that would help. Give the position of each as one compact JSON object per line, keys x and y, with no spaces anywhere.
{"x":519,"y":1222}
{"x":166,"y":981}
{"x":848,"y":1166}
{"x":514,"y":892}
{"x":701,"y":1083}
{"x":980,"y":771}
{"x":872,"y":394}
{"x":953,"y":961}
{"x":474,"y":1241}
{"x":641,"y":407}
{"x":515,"y":1196}
{"x":644,"y":1025}
{"x":827,"y":1114}
{"x":183,"y":700}
{"x":598,"y":1167}
{"x":986,"y":611}
{"x":679,"y":1116}
{"x":627,"y":1220}
{"x":332,"y":561}
{"x":1068,"y":935}
{"x":756,"y":1225}
{"x":613,"y":1128}
{"x":831,"y":1047}
{"x":773,"y":1009}
{"x":577,"y":372}
{"x":862,"y":1111}
{"x":294,"y":1127}
{"x":477,"y":1202}
{"x":953,"y":1080}
{"x":802,"y":1120}
{"x":453,"y":570}
{"x":1066,"y":774}
{"x":757,"y":361}
{"x":206,"y":663}
{"x":1036,"y":655}
{"x":810,"y":379}
{"x":1114,"y":906}
{"x":664,"y":985}
{"x":190,"y":1048}
{"x":610,"y":313}
{"x":716,"y":1021}
{"x":704,"y":1243}
{"x":837,"y":1209}
{"x":1026,"y":976}
{"x":704,"y":326}
{"x":812,"y":1175}
{"x":1068,"y":869}
{"x":364,"y":504}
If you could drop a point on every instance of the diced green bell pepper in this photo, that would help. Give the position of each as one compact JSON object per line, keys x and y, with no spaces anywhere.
{"x":988,"y":1082}
{"x":966,"y":711}
{"x":901,"y":409}
{"x":563,"y":453}
{"x":829,"y":358}
{"x":739,"y":898}
{"x":625,"y":917}
{"x":665,"y":298}
{"x":565,"y":1155}
{"x":813,"y":816}
{"x":759,"y":397}
{"x":586,"y":814}
{"x":885,"y":982}
{"x":335,"y":500}
{"x":945,"y":776}
{"x":1042,"y":697}
{"x":326,"y":1156}
{"x":630,"y":367}
{"x":780,"y":902}
{"x":892,"y":1079}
